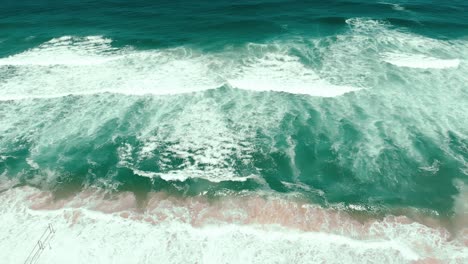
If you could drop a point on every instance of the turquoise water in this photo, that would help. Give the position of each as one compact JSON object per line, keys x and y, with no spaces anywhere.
{"x":353,"y":102}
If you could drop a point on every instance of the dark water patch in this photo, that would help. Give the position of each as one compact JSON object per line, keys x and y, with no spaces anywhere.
{"x":146,"y":24}
{"x":445,"y":30}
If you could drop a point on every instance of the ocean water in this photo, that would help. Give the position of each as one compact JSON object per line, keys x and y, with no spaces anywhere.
{"x":234,"y":131}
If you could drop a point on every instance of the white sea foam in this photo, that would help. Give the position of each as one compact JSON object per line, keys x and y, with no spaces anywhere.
{"x":284,"y":73}
{"x":461,"y":209}
{"x":200,"y":138}
{"x":90,"y":65}
{"x":167,"y":231}
{"x":406,"y":95}
{"x":419,"y":61}
{"x":80,"y":66}
{"x":212,"y":174}
{"x":65,"y":51}
{"x":202,"y":134}
{"x":396,"y":7}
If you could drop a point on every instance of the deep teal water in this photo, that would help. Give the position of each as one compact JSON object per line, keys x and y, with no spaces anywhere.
{"x":220,"y":97}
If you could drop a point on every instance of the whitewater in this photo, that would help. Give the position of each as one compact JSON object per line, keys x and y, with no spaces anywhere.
{"x":348,"y":145}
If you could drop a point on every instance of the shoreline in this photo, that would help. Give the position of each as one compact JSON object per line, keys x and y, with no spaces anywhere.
{"x":91,"y":216}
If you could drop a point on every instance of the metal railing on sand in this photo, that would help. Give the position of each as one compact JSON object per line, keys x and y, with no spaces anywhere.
{"x":40,"y":245}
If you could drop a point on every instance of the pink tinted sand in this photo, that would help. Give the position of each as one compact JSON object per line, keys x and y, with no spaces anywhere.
{"x":249,"y":209}
{"x":252,"y":210}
